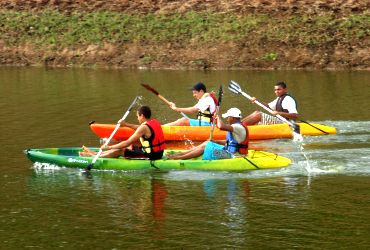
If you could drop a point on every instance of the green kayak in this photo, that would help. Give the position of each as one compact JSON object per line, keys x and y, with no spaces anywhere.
{"x":69,"y":157}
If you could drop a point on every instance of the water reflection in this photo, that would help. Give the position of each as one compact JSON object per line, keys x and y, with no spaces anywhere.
{"x":139,"y":195}
{"x":155,"y":207}
{"x":159,"y":195}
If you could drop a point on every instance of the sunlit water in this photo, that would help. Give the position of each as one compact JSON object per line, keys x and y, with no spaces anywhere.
{"x":321,"y":201}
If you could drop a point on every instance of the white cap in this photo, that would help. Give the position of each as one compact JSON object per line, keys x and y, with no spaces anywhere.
{"x":233,"y":112}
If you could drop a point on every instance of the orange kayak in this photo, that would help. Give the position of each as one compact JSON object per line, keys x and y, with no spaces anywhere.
{"x":196,"y":133}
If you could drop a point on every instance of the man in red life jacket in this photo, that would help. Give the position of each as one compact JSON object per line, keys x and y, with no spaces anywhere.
{"x":205,"y":108}
{"x":149,"y":132}
{"x":236,"y":140}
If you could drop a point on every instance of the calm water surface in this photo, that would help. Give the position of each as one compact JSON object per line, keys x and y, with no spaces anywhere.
{"x":322,"y":201}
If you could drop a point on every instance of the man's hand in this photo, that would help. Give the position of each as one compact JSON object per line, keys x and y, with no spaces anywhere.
{"x":173,"y":106}
{"x":106,"y":147}
{"x":218,"y":121}
{"x":122,"y":123}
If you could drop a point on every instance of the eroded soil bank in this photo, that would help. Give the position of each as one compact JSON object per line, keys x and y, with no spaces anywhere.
{"x":329,"y":35}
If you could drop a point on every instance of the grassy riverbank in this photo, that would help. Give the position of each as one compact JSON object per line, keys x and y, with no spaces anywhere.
{"x":55,"y":37}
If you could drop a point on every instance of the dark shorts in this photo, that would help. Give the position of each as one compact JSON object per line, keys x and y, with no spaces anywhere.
{"x":136,"y":152}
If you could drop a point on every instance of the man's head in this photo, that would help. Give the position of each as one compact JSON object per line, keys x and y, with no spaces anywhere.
{"x":233,"y":115}
{"x":280,"y":88}
{"x":198,"y":90}
{"x":143,"y":113}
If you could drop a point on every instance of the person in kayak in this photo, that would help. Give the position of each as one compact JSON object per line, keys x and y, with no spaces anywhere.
{"x":284,"y":105}
{"x":205,"y":108}
{"x":236,"y":140}
{"x":149,"y":132}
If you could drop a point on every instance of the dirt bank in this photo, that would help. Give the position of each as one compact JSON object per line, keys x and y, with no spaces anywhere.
{"x":253,"y":52}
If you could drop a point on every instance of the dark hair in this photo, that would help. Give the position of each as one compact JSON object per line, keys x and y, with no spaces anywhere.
{"x":145,"y":110}
{"x":199,"y":86}
{"x":281,"y":84}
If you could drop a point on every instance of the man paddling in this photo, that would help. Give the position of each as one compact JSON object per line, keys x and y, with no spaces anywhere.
{"x":283,"y":105}
{"x":149,"y":132}
{"x":205,"y":108}
{"x":236,"y":140}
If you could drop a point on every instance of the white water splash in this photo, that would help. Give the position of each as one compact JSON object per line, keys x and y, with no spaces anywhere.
{"x":311,"y":169}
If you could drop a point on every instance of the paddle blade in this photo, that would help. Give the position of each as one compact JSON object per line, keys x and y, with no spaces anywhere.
{"x":150,"y":89}
{"x":296,"y":128}
{"x":220,"y":94}
{"x":297,"y":133}
{"x":89,"y":167}
{"x":234,"y":87}
{"x":137,"y":98}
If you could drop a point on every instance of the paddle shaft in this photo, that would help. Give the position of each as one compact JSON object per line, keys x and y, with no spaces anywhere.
{"x":164,"y":99}
{"x":96,"y":157}
{"x":213,"y":124}
{"x":161,"y":97}
{"x":267,"y":109}
{"x":220,"y":93}
{"x":110,"y":137}
{"x":169,"y":104}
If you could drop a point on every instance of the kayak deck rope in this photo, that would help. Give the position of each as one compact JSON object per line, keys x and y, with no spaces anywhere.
{"x":269,"y":155}
{"x":245,"y":158}
{"x":326,"y":133}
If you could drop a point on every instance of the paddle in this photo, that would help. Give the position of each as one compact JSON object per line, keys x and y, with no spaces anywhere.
{"x":220,"y":94}
{"x":235,"y":88}
{"x":90,"y":166}
{"x":160,"y":97}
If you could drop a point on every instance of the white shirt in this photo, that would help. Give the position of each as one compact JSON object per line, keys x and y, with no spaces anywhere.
{"x":239,"y":132}
{"x":288,"y":104}
{"x":206,"y":102}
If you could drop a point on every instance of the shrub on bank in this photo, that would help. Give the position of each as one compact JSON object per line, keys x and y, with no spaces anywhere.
{"x":53,"y":28}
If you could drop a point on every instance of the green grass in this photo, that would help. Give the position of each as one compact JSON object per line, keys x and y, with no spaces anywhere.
{"x":53,"y":28}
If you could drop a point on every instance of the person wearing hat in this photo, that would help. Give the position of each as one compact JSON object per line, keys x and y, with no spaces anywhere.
{"x":283,"y":105}
{"x":205,"y":108}
{"x":236,"y":140}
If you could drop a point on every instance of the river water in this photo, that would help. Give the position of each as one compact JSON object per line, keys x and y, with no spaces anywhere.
{"x":321,"y":201}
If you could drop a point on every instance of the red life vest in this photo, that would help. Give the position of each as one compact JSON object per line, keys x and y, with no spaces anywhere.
{"x":244,"y":148}
{"x":212,"y":94}
{"x":155,"y":142}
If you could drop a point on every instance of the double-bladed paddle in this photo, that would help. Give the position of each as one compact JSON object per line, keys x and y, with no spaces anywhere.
{"x":160,"y":97}
{"x":235,"y":88}
{"x":220,"y":94}
{"x":90,"y":166}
